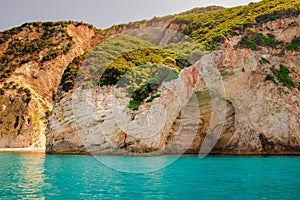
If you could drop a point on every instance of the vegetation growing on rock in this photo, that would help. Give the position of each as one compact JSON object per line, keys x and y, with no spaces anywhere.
{"x":282,"y":75}
{"x":134,"y":64}
{"x":70,"y":73}
{"x":294,"y":45}
{"x":253,"y":40}
{"x":211,"y":28}
{"x":50,"y":37}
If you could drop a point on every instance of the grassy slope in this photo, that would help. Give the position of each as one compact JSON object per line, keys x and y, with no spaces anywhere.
{"x":212,"y":27}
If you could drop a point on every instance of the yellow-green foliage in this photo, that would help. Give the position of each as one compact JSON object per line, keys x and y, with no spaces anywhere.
{"x":187,"y":50}
{"x":211,"y":27}
{"x":129,"y":61}
{"x":98,"y":60}
{"x":146,"y":74}
{"x":111,"y":59}
{"x":108,"y":52}
{"x":132,"y":63}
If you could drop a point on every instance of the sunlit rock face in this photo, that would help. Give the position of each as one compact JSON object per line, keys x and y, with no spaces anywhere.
{"x":256,"y":115}
{"x":23,"y":116}
{"x":236,"y":109}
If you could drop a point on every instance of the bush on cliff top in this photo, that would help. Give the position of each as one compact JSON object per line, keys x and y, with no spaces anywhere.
{"x":54,"y":39}
{"x":211,"y":28}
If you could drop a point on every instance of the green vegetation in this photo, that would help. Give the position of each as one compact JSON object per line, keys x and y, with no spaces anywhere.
{"x":211,"y":28}
{"x":264,"y":61}
{"x":145,"y":80}
{"x":211,"y":25}
{"x":109,"y":61}
{"x":89,"y":85}
{"x":28,"y":94}
{"x":52,"y":90}
{"x":140,"y":66}
{"x":282,"y":75}
{"x":48,"y":113}
{"x":16,"y":122}
{"x":142,"y":81}
{"x":270,"y":78}
{"x":70,"y":73}
{"x":52,"y":54}
{"x":6,"y":35}
{"x":152,"y":98}
{"x":190,"y":50}
{"x":119,"y":96}
{"x":134,"y":105}
{"x":53,"y":39}
{"x":254,"y":39}
{"x":2,"y":91}
{"x":227,"y":73}
{"x":246,"y":42}
{"x":141,"y":93}
{"x":294,"y":45}
{"x":130,"y":62}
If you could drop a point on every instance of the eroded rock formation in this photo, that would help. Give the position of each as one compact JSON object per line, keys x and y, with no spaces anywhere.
{"x":260,"y":117}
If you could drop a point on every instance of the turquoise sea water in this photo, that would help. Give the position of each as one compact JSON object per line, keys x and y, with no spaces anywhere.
{"x":39,"y":176}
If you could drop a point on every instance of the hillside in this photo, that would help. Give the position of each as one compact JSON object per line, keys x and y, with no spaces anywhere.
{"x":33,"y":59}
{"x":70,"y":77}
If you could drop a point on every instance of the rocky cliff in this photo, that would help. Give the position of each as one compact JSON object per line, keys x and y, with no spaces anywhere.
{"x":237,"y":89}
{"x":258,"y":115}
{"x":33,"y":59}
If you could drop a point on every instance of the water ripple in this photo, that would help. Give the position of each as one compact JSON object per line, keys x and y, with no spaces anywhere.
{"x":40,"y":176}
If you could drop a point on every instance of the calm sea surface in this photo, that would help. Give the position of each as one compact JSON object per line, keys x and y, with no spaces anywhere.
{"x":40,"y":176}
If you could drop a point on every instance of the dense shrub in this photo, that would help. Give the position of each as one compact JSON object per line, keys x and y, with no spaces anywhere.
{"x":141,"y":93}
{"x":294,"y":45}
{"x":2,"y":91}
{"x":264,"y":61}
{"x":52,"y":54}
{"x":28,"y":95}
{"x":270,"y":78}
{"x":70,"y":73}
{"x":124,"y":64}
{"x":283,"y":76}
{"x":17,"y":122}
{"x":209,"y":28}
{"x":152,"y":98}
{"x":254,"y":39}
{"x":6,"y":35}
{"x":134,"y":105}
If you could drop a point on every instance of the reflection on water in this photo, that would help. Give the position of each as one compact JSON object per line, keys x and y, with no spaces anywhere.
{"x":22,"y":176}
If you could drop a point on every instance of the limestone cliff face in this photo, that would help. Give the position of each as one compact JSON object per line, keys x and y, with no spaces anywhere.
{"x":30,"y":89}
{"x":238,"y":111}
